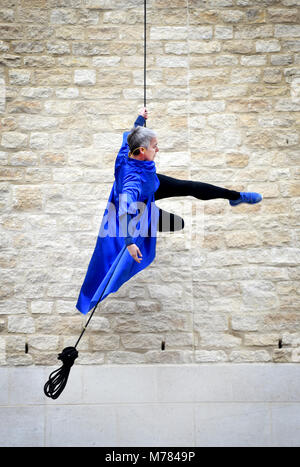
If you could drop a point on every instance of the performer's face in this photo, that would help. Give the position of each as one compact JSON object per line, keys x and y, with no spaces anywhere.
{"x":149,"y":153}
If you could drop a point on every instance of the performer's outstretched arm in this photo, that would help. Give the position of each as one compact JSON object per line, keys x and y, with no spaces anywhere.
{"x":140,"y":121}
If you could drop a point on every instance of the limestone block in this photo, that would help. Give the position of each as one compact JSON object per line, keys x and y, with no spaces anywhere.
{"x":87,"y":17}
{"x":71,"y":61}
{"x":53,"y":159}
{"x":273,"y":238}
{"x":102,"y":343}
{"x":166,"y":321}
{"x":200,"y":32}
{"x":177,"y":48}
{"x":210,"y":321}
{"x":205,"y":76}
{"x":224,"y":32}
{"x":168,"y":357}
{"x":4,"y":47}
{"x":99,"y":324}
{"x":57,"y":325}
{"x":91,"y":49}
{"x":207,"y":107}
{"x":36,"y":122}
{"x":237,"y":160}
{"x":294,"y":189}
{"x":168,"y":33}
{"x":39,"y":92}
{"x":125,"y":357}
{"x":19,"y":360}
{"x":240,"y":356}
{"x":41,"y":342}
{"x":141,"y":341}
{"x":291,"y":45}
{"x":171,"y":62}
{"x":229,"y":91}
{"x":21,"y":324}
{"x":121,"y":17}
{"x":232,"y":16}
{"x":271,"y":45}
{"x":69,"y":33}
{"x":107,"y":61}
{"x":261,"y":340}
{"x":63,"y":16}
{"x":103,"y":34}
{"x":27,"y":198}
{"x":239,"y":46}
{"x":228,"y":139}
{"x":218,"y":340}
{"x":282,"y":355}
{"x":14,"y":140}
{"x":108,"y":4}
{"x":146,"y":305}
{"x":254,"y":31}
{"x":203,"y":356}
{"x":272,"y":76}
{"x":114,"y":78}
{"x":19,"y":77}
{"x":176,"y":340}
{"x":3,"y":158}
{"x":8,"y":31}
{"x":41,"y":307}
{"x":240,"y":239}
{"x":282,"y":15}
{"x":287,"y":30}
{"x":254,"y":60}
{"x":203,"y":16}
{"x":244,"y":322}
{"x":58,"y":47}
{"x":91,"y":358}
{"x":12,"y":174}
{"x":246,"y":76}
{"x":84,"y":77}
{"x":259,"y":295}
{"x":42,"y":61}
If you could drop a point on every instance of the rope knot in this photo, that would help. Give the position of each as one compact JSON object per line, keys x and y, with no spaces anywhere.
{"x":68,"y":356}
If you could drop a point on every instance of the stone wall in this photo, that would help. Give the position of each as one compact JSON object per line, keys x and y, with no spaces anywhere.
{"x":224,"y":97}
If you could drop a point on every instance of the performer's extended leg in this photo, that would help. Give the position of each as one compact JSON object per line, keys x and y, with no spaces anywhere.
{"x":171,"y":187}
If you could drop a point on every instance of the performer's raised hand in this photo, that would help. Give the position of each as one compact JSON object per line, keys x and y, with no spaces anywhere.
{"x":144,"y":113}
{"x":135,"y":252}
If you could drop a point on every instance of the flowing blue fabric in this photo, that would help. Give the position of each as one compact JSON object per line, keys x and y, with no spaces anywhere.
{"x":132,"y":193}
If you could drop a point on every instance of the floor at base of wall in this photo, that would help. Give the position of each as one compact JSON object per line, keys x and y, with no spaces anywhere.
{"x":153,"y":405}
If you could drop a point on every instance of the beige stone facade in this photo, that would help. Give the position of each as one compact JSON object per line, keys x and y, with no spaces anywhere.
{"x":224,"y":97}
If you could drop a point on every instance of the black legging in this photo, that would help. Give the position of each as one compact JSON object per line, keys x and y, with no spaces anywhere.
{"x":170,"y":187}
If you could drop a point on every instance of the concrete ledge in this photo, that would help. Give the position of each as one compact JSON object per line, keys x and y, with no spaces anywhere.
{"x":153,"y":405}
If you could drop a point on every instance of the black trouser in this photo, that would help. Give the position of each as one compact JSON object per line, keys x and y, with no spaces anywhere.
{"x":170,"y":187}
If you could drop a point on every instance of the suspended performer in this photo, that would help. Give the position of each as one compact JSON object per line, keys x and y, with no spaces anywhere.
{"x":127,"y":238}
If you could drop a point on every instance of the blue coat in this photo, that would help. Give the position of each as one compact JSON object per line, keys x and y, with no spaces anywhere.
{"x":131,"y":199}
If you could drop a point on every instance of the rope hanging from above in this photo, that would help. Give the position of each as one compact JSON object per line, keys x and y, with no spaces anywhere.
{"x":58,"y":378}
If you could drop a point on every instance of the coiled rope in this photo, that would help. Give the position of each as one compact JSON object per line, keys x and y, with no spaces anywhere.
{"x":58,"y":378}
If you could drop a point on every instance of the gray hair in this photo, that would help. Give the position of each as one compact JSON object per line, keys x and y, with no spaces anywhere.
{"x":140,"y":137}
